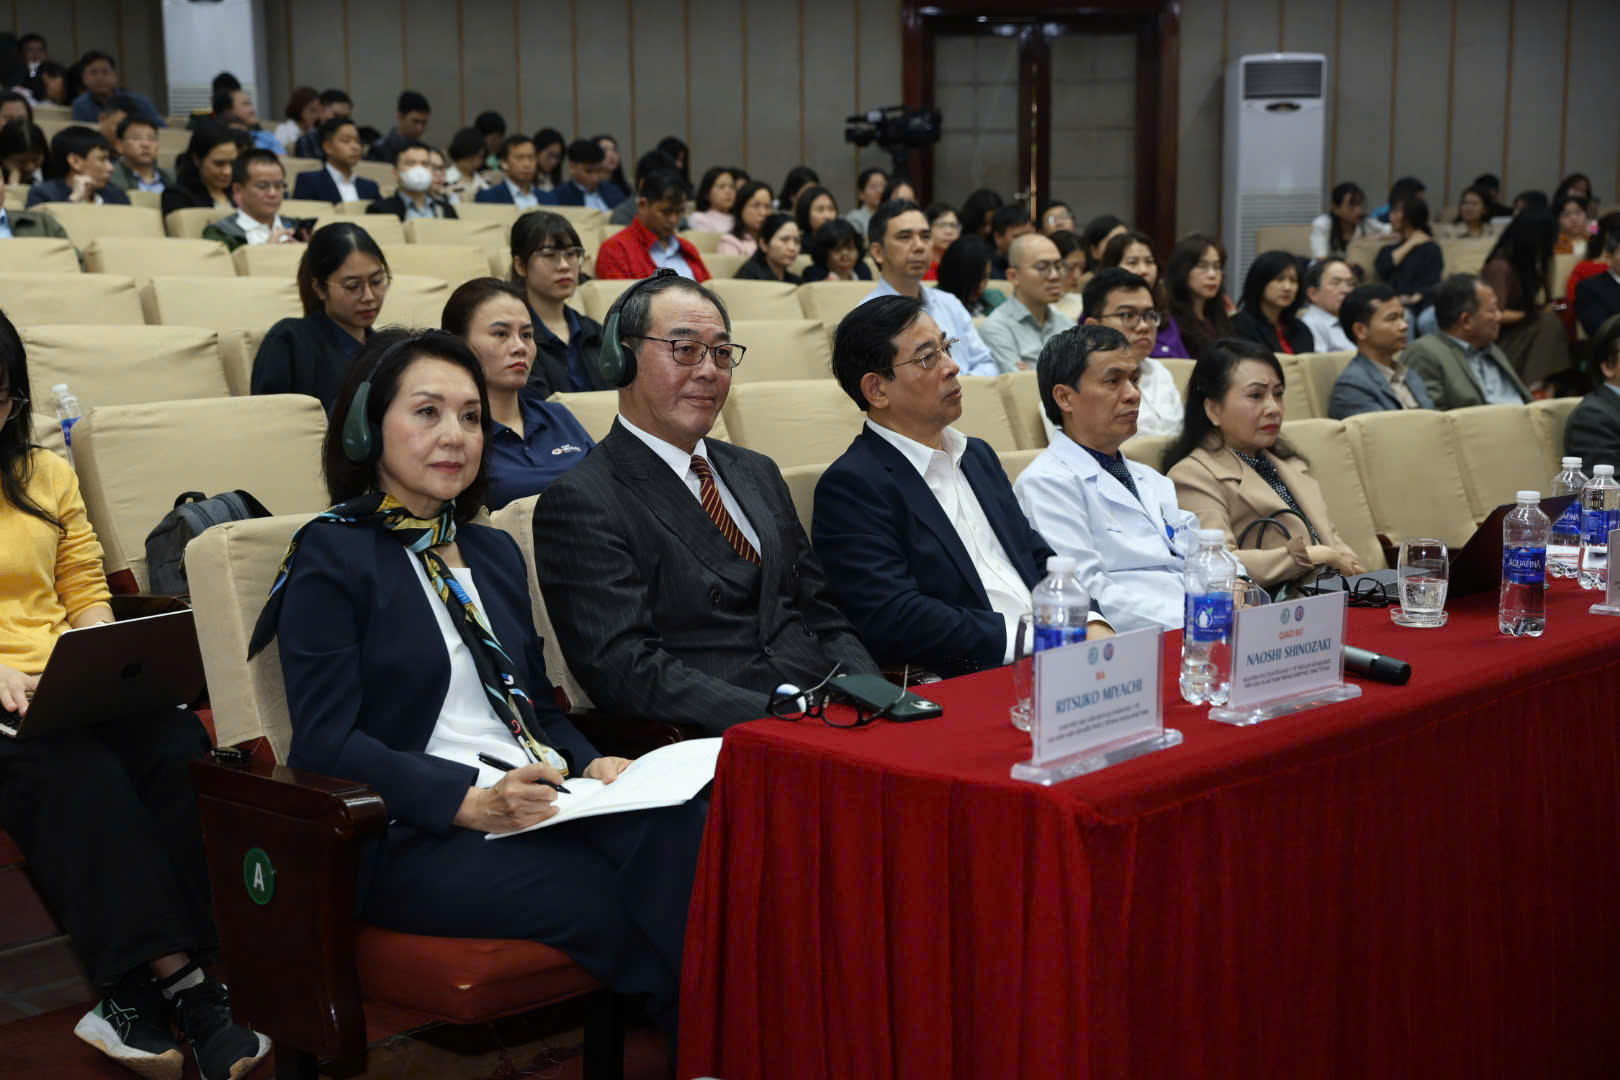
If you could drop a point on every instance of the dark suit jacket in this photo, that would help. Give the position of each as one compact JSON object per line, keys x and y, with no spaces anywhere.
{"x":318,"y":184}
{"x":1596,"y":298}
{"x":1419,"y":272}
{"x":756,"y":270}
{"x":569,"y":193}
{"x":57,"y":191}
{"x":550,"y":374}
{"x":302,"y":356}
{"x":899,"y":569}
{"x":501,"y":192}
{"x":1437,"y":360}
{"x":395,"y":204}
{"x":1593,"y":429}
{"x":1248,"y":325}
{"x":1363,"y":388}
{"x":657,"y":616}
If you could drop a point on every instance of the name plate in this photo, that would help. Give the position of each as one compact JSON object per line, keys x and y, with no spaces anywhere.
{"x":1092,"y":694}
{"x":1285,"y":650}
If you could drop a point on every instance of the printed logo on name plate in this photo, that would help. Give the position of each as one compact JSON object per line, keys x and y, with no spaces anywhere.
{"x":1091,"y":655}
{"x":1299,"y":613}
{"x":259,"y":876}
{"x":1108,"y":651}
{"x":1285,"y":616}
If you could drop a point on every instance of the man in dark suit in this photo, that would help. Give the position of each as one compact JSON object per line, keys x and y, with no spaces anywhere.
{"x":681,"y":586}
{"x":520,"y":165}
{"x":587,"y":183}
{"x":84,"y":162}
{"x":1598,"y":297}
{"x":1593,"y":430}
{"x":929,"y":554}
{"x":1377,"y":380}
{"x":413,"y":115}
{"x":335,"y":182}
{"x":1460,"y":364}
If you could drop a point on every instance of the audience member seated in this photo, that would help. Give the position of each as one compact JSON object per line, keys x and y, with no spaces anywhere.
{"x":754,"y":203}
{"x":414,"y":197}
{"x":677,"y":577}
{"x":1019,"y":328}
{"x":342,"y":282}
{"x":587,"y":184}
{"x":519,"y":165}
{"x":1007,"y":224}
{"x":81,"y":160}
{"x":1597,"y":292}
{"x":1377,"y":379}
{"x":1233,"y":471}
{"x":964,"y":272}
{"x":1271,"y":300}
{"x":816,"y":207}
{"x":835,"y":254}
{"x":674,"y":149}
{"x":1057,"y":217}
{"x":869,"y":188}
{"x":204,"y":173}
{"x":1577,"y":184}
{"x":49,"y":85}
{"x":1116,"y":518}
{"x":1073,"y":250}
{"x":798,"y":179}
{"x":23,"y":151}
{"x":778,"y":249}
{"x":1519,"y":268}
{"x":716,"y":196}
{"x":546,"y":256}
{"x":1327,"y":282}
{"x":945,"y":228}
{"x":651,"y":161}
{"x":32,"y":51}
{"x":977,"y":212}
{"x":259,"y":184}
{"x":899,"y":189}
{"x":1574,"y":225}
{"x":650,"y":242}
{"x":104,"y":814}
{"x":924,"y":543}
{"x":1460,"y":364}
{"x":99,"y":73}
{"x":531,"y":441}
{"x":114,"y":111}
{"x":1098,"y":231}
{"x":137,"y":168}
{"x":466,"y":176}
{"x":1592,"y":432}
{"x":612,"y":162}
{"x":336,"y":182}
{"x":1474,"y":213}
{"x":1133,"y":251}
{"x":550,"y":148}
{"x":1413,"y":264}
{"x":1491,"y":185}
{"x":1402,"y":189}
{"x":1122,"y":301}
{"x":408,"y":696}
{"x":1332,"y":232}
{"x":412,"y":113}
{"x":302,"y":115}
{"x":235,"y":109}
{"x":334,"y":104}
{"x":492,"y":126}
{"x":898,"y":242}
{"x":1194,"y":272}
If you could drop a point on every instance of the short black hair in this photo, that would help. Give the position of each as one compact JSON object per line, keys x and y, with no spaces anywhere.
{"x":586,"y":152}
{"x":256,"y":156}
{"x":119,"y":103}
{"x":864,"y":341}
{"x":660,"y":185}
{"x":1064,"y":359}
{"x":1344,"y":190}
{"x":1358,"y":306}
{"x":878,"y":226}
{"x":1415,"y":209}
{"x":1009,"y":216}
{"x":531,"y":231}
{"x":490,"y":122}
{"x":1605,"y":348}
{"x":466,"y":143}
{"x":93,"y":55}
{"x":222,"y":101}
{"x":471,"y":295}
{"x":1318,"y":267}
{"x":75,"y":141}
{"x":512,"y":143}
{"x":330,"y":127}
{"x":1094,"y":297}
{"x":26,"y":38}
{"x":1487,"y":180}
{"x":12,"y":95}
{"x":334,"y":97}
{"x":830,"y":237}
{"x":1267,"y":267}
{"x":412,"y":101}
{"x":1406,"y":185}
{"x":1455,"y":297}
{"x":133,"y":119}
{"x":652,"y":161}
{"x":634,"y":306}
{"x":225,"y":81}
{"x":1533,"y":200}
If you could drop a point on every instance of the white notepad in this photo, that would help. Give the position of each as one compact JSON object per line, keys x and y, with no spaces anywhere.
{"x":668,"y":776}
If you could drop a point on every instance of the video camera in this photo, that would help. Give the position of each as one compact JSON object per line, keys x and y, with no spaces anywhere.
{"x":896,"y":129}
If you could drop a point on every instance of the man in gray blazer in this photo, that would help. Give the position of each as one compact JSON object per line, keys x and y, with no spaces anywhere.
{"x":1460,"y":364}
{"x":677,"y":576}
{"x":1376,"y":380}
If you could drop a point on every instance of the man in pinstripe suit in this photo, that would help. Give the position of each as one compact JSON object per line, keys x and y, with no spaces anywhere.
{"x":681,"y":586}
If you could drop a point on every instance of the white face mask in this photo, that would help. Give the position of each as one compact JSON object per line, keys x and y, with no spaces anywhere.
{"x":417,"y":178}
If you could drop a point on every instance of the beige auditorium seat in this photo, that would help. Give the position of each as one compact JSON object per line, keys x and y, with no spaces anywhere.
{"x":704,"y":241}
{"x":308,"y":208}
{"x":517,"y":520}
{"x":755,"y":300}
{"x":1294,"y":239}
{"x":451,"y":263}
{"x":501,"y":213}
{"x":983,"y":414}
{"x":268,"y":260}
{"x":721,"y":265}
{"x":830,"y":301}
{"x":781,"y":349}
{"x":381,"y":172}
{"x":385,"y":229}
{"x":1549,"y":418}
{"x":133,"y":460}
{"x":1331,"y":456}
{"x":172,"y":142}
{"x":124,"y":365}
{"x":189,"y":222}
{"x":1181,"y":370}
{"x":1014,"y":462}
{"x":1322,"y":370}
{"x":414,"y":300}
{"x":1363,"y":250}
{"x":231,"y":303}
{"x":801,"y":483}
{"x":1500,"y":453}
{"x":349,"y":208}
{"x":16,"y":197}
{"x":1298,"y":401}
{"x":500,"y":263}
{"x":1467,"y":255}
{"x":99,"y":299}
{"x":1021,"y":400}
{"x":1562,"y":266}
{"x":85,"y":222}
{"x":800,"y":264}
{"x":1413,"y":475}
{"x":151,"y":200}
{"x":793,"y":422}
{"x":598,"y":295}
{"x":578,"y":216}
{"x":488,"y":235}
{"x":238,"y":348}
{"x":38,"y":255}
{"x":143,"y":259}
{"x":1147,"y":450}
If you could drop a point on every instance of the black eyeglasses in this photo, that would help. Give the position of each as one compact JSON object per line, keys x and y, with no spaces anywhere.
{"x":689,"y":353}
{"x":812,"y":702}
{"x":11,"y":407}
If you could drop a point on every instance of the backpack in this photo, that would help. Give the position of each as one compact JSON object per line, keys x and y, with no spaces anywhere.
{"x":192,"y":513}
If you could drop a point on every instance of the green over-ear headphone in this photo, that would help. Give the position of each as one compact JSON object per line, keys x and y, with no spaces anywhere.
{"x":362,"y":436}
{"x":615,"y":363}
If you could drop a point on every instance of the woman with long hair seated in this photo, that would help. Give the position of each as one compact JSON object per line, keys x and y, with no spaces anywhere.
{"x":546,"y":259}
{"x":778,"y":248}
{"x":1193,"y":275}
{"x":202,"y":173}
{"x":964,"y":271}
{"x":716,"y":194}
{"x":1271,"y":300}
{"x":1133,"y":251}
{"x":753,"y":206}
{"x":1518,"y":269}
{"x":1232,"y":469}
{"x":410,"y":658}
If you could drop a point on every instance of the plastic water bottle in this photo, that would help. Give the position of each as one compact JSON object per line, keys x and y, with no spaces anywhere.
{"x":1521,"y":609}
{"x":1564,"y":545}
{"x":1060,"y":605}
{"x":1206,"y":642}
{"x":1600,"y":515}
{"x":67,"y":414}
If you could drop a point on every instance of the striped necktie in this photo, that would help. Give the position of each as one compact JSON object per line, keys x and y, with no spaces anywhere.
{"x":709,"y":494}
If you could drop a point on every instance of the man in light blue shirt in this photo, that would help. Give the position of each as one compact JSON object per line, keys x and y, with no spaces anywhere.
{"x":898,"y":239}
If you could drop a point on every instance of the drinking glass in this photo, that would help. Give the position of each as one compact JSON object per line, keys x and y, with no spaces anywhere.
{"x":1023,"y":666}
{"x":1423,"y":571}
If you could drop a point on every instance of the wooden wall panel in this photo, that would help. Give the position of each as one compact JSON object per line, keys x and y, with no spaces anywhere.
{"x":1419,"y":118}
{"x":1535,"y":115}
{"x":660,"y":77}
{"x":1477,"y":102}
{"x":489,"y":67}
{"x":548,"y":68}
{"x":717,"y":89}
{"x":1592,"y":125}
{"x":431,"y":65}
{"x":1307,"y":26}
{"x":774,"y":115}
{"x":1198,"y":140}
{"x":1361,"y":152}
{"x":319,"y":51}
{"x":376,"y":64}
{"x":604,"y":83}
{"x":877,"y":39}
{"x":279,"y":82}
{"x":1252,"y":26}
{"x":829,"y":94}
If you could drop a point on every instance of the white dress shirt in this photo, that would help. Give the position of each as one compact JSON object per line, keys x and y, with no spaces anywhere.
{"x":525,"y":200}
{"x":594,"y":200}
{"x":680,"y":461}
{"x":1121,"y":543}
{"x":347,"y":191}
{"x":1325,"y":329}
{"x":971,"y":353}
{"x":668,"y":253}
{"x":256,"y":232}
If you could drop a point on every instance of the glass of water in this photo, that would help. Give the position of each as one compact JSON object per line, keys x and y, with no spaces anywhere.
{"x":1023,"y":666}
{"x":1423,"y":571}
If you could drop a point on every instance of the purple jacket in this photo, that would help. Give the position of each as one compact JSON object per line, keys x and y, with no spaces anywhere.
{"x":1169,"y":341}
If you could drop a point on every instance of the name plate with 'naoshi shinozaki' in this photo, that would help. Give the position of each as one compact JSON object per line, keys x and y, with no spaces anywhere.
{"x":1286,"y":657}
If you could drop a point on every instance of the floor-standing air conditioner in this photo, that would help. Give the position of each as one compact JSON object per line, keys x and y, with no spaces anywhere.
{"x":1276,"y":143}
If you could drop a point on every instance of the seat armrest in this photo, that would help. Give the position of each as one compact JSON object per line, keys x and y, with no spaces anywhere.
{"x":283,"y":847}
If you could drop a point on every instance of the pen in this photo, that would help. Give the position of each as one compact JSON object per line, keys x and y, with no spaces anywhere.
{"x":506,"y":766}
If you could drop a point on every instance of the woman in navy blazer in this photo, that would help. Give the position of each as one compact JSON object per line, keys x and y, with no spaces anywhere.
{"x":379,"y":690}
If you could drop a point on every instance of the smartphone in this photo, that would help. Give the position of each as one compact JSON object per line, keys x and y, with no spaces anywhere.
{"x":874,"y":693}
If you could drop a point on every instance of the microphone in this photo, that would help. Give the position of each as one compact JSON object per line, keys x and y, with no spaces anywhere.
{"x":1385,"y":669}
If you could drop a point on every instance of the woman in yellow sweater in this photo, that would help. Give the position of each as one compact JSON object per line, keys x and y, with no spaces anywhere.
{"x":104,"y":816}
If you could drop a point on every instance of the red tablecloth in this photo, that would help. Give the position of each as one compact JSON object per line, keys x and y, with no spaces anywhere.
{"x":1421,"y":883}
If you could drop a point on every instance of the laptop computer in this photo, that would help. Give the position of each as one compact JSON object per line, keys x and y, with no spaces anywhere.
{"x":1477,"y":567}
{"x":111,"y":672}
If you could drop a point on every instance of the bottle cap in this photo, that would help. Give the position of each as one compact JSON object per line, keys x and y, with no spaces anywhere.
{"x":59,"y":388}
{"x":1061,"y":564}
{"x":1529,"y":496}
{"x":1211,"y":536}
{"x":1571,"y":462}
{"x":1603,"y":470}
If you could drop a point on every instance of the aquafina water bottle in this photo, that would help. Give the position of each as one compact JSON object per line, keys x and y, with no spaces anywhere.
{"x":1600,"y":515}
{"x":1210,"y":578}
{"x":1521,"y":609}
{"x":1564,"y":545}
{"x":1060,"y":605}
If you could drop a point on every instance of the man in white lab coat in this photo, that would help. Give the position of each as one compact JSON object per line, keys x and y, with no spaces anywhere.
{"x":1118,"y":518}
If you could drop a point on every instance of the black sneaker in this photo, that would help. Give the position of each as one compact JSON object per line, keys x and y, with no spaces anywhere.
{"x":131,"y":1026}
{"x":225,"y":1050}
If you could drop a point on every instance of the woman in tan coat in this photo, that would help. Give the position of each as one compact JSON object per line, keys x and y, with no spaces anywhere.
{"x":1231,"y":469}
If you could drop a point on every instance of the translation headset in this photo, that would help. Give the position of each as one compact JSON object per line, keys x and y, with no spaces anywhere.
{"x":615,"y":363}
{"x":362,"y":436}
